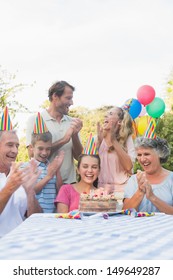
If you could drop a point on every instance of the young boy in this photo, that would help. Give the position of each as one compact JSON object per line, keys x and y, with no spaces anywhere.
{"x":49,"y":180}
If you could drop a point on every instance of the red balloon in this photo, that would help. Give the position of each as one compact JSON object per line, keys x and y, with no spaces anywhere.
{"x":146,"y":94}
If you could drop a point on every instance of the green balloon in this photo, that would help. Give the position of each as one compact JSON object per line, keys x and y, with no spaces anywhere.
{"x":156,"y":108}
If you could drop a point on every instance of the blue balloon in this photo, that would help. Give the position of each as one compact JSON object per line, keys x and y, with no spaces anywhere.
{"x":135,"y":107}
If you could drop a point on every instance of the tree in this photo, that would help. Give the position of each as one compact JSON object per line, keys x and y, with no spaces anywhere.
{"x":45,"y":104}
{"x":23,"y":153}
{"x":90,"y":119}
{"x":169,"y":92}
{"x":8,"y":92}
{"x":164,"y":130}
{"x":8,"y":97}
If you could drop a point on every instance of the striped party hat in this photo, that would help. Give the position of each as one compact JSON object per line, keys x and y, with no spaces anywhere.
{"x":150,"y":131}
{"x":91,"y":146}
{"x":5,"y":121}
{"x":135,"y":130}
{"x":127,"y":104}
{"x":39,"y":126}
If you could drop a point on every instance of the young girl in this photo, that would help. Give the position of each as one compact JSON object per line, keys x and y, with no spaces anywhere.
{"x":116,"y":150}
{"x":88,"y":170}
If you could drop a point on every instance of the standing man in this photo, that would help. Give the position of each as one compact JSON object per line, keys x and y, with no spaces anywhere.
{"x":17,"y":196}
{"x":64,"y":129}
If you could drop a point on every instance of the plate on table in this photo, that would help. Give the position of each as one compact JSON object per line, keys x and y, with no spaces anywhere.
{"x":94,"y":213}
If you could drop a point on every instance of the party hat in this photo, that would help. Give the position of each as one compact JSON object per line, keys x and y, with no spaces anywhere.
{"x":91,"y":146}
{"x":135,"y":130}
{"x":5,"y":121}
{"x":150,"y":131}
{"x":127,"y":104}
{"x":39,"y":126}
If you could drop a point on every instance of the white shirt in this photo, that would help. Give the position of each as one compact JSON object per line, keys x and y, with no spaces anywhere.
{"x":15,"y":209}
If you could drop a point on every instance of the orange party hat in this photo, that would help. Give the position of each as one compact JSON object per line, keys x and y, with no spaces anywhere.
{"x":91,"y":146}
{"x":6,"y":124}
{"x":39,"y":126}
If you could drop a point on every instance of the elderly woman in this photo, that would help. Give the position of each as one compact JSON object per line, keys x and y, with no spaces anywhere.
{"x":152,"y":188}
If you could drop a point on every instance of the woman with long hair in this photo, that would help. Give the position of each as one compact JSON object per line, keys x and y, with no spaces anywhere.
{"x":88,"y":169}
{"x":116,"y":150}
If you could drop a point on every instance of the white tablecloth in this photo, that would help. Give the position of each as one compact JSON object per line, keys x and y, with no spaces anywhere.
{"x":42,"y":236}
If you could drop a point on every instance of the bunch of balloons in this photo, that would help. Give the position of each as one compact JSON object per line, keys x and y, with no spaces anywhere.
{"x":146,"y":103}
{"x":155,"y":106}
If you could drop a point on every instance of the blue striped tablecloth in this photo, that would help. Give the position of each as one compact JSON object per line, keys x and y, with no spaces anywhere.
{"x":42,"y":236}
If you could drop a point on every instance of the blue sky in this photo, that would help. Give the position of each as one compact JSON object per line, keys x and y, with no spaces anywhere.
{"x":107,"y":49}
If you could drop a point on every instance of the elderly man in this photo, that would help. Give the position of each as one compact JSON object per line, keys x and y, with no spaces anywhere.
{"x":64,"y":129}
{"x":17,"y":196}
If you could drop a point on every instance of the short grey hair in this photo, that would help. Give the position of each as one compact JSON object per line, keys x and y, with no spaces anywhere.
{"x":160,"y":145}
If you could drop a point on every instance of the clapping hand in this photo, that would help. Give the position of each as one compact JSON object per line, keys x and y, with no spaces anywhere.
{"x":15,"y":177}
{"x":55,"y":165}
{"x":142,"y":181}
{"x":143,"y":184}
{"x":30,"y":176}
{"x":114,"y":131}
{"x":76,"y":125}
{"x":26,"y":176}
{"x":99,"y":133}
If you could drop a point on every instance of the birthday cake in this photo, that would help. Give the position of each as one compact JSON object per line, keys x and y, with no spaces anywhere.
{"x":97,"y":203}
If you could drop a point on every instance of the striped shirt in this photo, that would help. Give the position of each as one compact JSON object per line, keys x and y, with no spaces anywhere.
{"x":48,"y":194}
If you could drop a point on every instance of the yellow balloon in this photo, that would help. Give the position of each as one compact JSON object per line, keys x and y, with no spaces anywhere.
{"x":142,"y":124}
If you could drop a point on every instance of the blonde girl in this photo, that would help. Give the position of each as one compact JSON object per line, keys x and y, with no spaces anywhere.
{"x":116,"y":150}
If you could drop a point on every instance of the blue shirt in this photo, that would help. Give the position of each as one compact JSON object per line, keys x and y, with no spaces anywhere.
{"x":48,"y":194}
